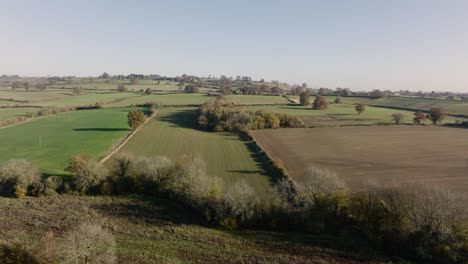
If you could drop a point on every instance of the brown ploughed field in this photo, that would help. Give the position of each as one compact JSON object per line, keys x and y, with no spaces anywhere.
{"x":384,"y":154}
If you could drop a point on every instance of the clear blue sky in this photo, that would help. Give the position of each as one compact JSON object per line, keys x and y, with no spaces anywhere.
{"x":407,"y":44}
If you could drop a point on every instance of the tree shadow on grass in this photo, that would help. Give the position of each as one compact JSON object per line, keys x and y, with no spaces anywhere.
{"x":186,"y":118}
{"x":149,"y":210}
{"x":101,"y":129}
{"x":346,"y":246}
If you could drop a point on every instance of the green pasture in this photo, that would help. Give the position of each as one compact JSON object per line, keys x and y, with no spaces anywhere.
{"x":49,"y":142}
{"x":173,"y":133}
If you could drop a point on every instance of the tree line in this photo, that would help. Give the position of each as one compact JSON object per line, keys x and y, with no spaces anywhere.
{"x":219,"y":115}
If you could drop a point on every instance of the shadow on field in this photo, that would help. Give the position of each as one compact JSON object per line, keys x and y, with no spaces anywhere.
{"x":149,"y":210}
{"x":182,"y":118}
{"x":100,"y":129}
{"x":298,"y":107}
{"x":247,"y":171}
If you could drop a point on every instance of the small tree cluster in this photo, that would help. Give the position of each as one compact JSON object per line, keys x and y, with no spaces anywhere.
{"x":360,"y":108}
{"x":219,"y":116}
{"x":190,"y":88}
{"x":135,"y":119}
{"x":419,"y":117}
{"x":436,"y":115}
{"x":398,"y":117}
{"x":121,"y":88}
{"x":304,"y":98}
{"x":320,"y":103}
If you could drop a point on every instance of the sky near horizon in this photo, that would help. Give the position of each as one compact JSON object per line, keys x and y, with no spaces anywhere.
{"x":360,"y":44}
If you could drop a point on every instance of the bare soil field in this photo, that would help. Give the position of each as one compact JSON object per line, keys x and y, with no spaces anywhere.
{"x":385,"y":155}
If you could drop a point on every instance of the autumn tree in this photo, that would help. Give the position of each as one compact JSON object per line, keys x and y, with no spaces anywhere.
{"x":190,"y":88}
{"x":41,"y":86}
{"x":121,"y":88}
{"x":77,"y":90}
{"x":105,"y":75}
{"x":418,"y":117}
{"x":15,"y":85}
{"x":320,"y":103}
{"x":397,"y":117}
{"x":135,"y":119}
{"x":225,"y":86}
{"x":436,"y":115}
{"x":360,"y":108}
{"x":304,"y":98}
{"x":27,"y":86}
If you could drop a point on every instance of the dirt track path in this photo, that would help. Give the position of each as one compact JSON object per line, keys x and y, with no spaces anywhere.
{"x":129,"y":136}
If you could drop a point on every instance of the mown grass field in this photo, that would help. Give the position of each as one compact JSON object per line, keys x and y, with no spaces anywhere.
{"x":160,"y":231}
{"x":49,"y":142}
{"x":386,"y":155}
{"x":173,"y":133}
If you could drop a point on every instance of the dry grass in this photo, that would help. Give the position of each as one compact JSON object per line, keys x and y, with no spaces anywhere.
{"x":159,"y":231}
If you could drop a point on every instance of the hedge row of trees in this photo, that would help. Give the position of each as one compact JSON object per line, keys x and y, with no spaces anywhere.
{"x":218,"y":115}
{"x":412,"y":221}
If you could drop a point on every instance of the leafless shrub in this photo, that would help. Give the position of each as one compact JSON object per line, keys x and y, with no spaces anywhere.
{"x":16,"y":176}
{"x":88,"y":243}
{"x":435,"y":210}
{"x":241,"y":201}
{"x":153,"y":168}
{"x":21,"y":170}
{"x":88,"y":175}
{"x":320,"y":183}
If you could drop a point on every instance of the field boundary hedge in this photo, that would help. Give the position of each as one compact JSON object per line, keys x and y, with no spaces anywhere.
{"x":273,"y":166}
{"x":414,"y":109}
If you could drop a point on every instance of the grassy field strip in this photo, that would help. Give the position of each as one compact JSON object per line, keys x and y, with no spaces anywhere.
{"x":173,"y":134}
{"x":127,"y":138}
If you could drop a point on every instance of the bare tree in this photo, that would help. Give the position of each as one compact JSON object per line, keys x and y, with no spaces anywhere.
{"x":360,"y":108}
{"x":418,"y":117}
{"x":397,"y":117}
{"x":241,"y":200}
{"x":436,"y":115}
{"x":88,"y":243}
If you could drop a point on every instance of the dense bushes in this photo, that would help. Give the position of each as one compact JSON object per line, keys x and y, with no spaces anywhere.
{"x":15,"y":254}
{"x":17,"y":177}
{"x":220,"y":116}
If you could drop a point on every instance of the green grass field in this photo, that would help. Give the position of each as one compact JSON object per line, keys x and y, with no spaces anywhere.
{"x":10,"y":113}
{"x":88,"y":99}
{"x":165,"y":99}
{"x":34,"y":96}
{"x":172,"y":134}
{"x":452,"y":107}
{"x":256,"y":99}
{"x":49,"y":142}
